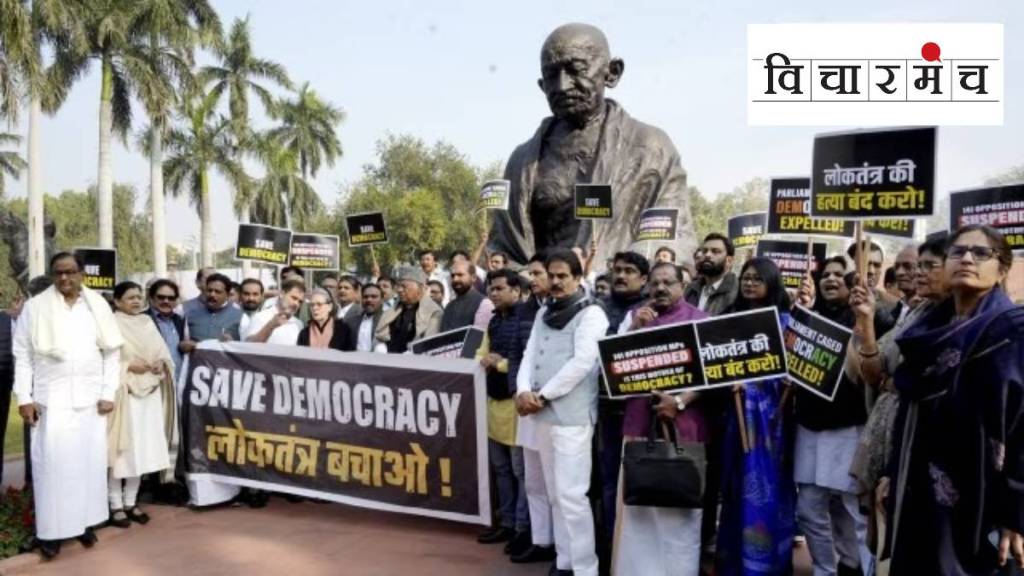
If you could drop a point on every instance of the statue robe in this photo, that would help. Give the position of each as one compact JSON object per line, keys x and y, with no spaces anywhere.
{"x":641,"y":165}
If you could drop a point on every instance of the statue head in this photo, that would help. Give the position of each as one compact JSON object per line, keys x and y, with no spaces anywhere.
{"x":576,"y":67}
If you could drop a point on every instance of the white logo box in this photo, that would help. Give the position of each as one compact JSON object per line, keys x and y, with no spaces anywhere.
{"x":876,"y":52}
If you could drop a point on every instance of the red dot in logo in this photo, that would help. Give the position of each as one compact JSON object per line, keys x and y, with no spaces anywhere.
{"x":930,"y":51}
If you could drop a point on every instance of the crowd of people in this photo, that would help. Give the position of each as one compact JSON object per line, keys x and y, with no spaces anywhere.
{"x":917,"y":458}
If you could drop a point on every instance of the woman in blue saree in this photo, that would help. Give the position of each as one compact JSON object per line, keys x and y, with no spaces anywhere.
{"x":757,"y":522}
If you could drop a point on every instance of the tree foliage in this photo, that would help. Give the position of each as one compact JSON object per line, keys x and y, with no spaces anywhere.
{"x":428,"y":194}
{"x":73,"y":213}
{"x":713,"y":215}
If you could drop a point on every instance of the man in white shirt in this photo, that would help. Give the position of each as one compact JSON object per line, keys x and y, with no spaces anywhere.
{"x":428,"y":263}
{"x":363,"y":326}
{"x":348,"y":295}
{"x":67,"y":371}
{"x":557,"y":388}
{"x":279,"y":325}
{"x":251,"y":300}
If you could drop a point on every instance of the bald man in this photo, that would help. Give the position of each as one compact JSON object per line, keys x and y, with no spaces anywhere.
{"x":589,"y":139}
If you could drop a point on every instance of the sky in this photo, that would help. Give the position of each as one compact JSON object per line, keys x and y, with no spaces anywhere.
{"x":465,"y":72}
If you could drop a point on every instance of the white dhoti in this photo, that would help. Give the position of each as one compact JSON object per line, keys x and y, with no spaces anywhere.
{"x":657,"y":541}
{"x":206,"y":492}
{"x":69,"y":471}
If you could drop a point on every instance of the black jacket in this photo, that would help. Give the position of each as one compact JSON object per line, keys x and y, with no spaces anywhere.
{"x":341,"y":339}
{"x":352,"y":325}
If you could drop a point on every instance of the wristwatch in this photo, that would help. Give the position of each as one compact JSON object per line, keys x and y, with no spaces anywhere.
{"x":680,"y":405}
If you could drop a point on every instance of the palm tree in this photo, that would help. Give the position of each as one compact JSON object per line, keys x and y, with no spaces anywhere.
{"x":24,"y":31}
{"x":239,"y":73}
{"x":171,"y":28}
{"x":204,"y":143}
{"x":11,"y":163}
{"x":307,"y":129}
{"x":282,"y":197}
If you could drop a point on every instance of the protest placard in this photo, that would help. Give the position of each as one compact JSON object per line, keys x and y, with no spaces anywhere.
{"x":260,"y":243}
{"x":874,"y":174}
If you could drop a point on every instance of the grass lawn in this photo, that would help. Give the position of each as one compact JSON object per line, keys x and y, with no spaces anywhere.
{"x":12,"y":439}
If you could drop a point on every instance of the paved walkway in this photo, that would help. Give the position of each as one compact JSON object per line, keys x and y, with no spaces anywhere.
{"x":282,"y":539}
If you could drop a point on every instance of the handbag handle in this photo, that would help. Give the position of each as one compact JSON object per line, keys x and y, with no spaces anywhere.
{"x":668,"y":432}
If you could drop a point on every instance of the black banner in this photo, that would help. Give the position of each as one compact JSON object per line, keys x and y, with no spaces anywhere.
{"x":894,"y":227}
{"x":789,"y":211}
{"x":494,"y":194}
{"x":742,"y":347}
{"x":261,"y":243}
{"x":657,"y":224}
{"x":458,"y":343}
{"x":100,"y":272}
{"x":791,"y":258}
{"x":315,"y":252}
{"x":387,"y":432}
{"x":1001,"y":207}
{"x":593,"y":202}
{"x":746,"y":229}
{"x":366,"y":229}
{"x":665,"y":358}
{"x":816,"y":351}
{"x":874,"y":174}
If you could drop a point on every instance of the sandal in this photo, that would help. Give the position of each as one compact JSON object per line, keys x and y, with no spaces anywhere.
{"x":137,"y":515}
{"x":119,"y":518}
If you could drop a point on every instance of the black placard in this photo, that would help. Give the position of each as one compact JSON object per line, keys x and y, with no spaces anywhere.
{"x":366,"y":229}
{"x":100,"y":268}
{"x":791,"y":258}
{"x":789,"y":211}
{"x":895,"y":227}
{"x":746,"y":229}
{"x":1001,"y":207}
{"x":593,"y":202}
{"x":315,"y":252}
{"x":815,"y":351}
{"x":666,"y":359}
{"x":874,"y":174}
{"x":458,"y":343}
{"x":494,"y":194}
{"x":260,"y":243}
{"x":657,"y":224}
{"x":742,"y":347}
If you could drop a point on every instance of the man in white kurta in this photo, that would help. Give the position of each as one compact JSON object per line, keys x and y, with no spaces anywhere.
{"x":66,"y":375}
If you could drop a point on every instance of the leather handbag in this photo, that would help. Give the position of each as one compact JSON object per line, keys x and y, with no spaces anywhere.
{"x":663,"y":472}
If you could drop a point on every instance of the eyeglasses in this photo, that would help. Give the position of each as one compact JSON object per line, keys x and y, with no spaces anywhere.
{"x":928,"y":265}
{"x":980,"y":253}
{"x":752,"y":280}
{"x":164,"y":298}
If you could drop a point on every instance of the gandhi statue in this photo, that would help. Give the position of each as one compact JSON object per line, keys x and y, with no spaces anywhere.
{"x":590,"y":139}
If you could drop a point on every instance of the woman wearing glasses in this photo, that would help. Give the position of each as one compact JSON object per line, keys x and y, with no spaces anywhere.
{"x":757,"y":522}
{"x":957,"y":495}
{"x":325,"y":330}
{"x":875,"y":361}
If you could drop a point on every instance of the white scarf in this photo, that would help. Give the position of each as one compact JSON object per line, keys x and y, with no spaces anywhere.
{"x":50,"y":333}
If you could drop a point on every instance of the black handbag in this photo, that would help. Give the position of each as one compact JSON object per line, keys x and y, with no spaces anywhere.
{"x":663,"y":473}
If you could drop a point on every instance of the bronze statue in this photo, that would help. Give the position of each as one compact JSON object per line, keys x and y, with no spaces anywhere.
{"x":14,"y":232}
{"x":590,"y":139}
